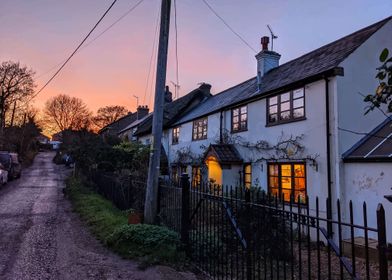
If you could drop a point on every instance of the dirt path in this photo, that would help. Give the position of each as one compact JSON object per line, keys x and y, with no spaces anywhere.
{"x":41,"y":238}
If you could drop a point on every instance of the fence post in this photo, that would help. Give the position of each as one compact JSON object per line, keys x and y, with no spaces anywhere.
{"x":158,"y":219}
{"x":248,"y":235}
{"x":382,"y":242}
{"x":185,"y":210}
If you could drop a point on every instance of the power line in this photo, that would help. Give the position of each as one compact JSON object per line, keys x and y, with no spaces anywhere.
{"x":99,"y":35}
{"x":228,"y":26}
{"x":363,"y":133}
{"x":177,"y":86}
{"x":153,"y":51}
{"x":78,"y":47}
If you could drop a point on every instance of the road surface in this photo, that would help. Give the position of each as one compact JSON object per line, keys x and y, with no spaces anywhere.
{"x":41,"y":238}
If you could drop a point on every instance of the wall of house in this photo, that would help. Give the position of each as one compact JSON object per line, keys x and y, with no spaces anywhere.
{"x":359,"y":78}
{"x":369,"y":182}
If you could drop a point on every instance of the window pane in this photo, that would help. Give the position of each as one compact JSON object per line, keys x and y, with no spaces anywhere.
{"x":248,"y":168}
{"x":273,"y":100}
{"x":298,"y":113}
{"x":235,"y":119}
{"x":244,"y":110}
{"x":285,"y":97}
{"x":273,"y":118}
{"x":273,"y":169}
{"x":298,"y":93}
{"x":285,"y":115}
{"x":285,"y":106}
{"x":298,"y":103}
{"x":299,"y":184}
{"x":301,"y":195}
{"x":273,"y":109}
{"x":274,"y":182}
{"x":286,"y":183}
{"x":243,"y":117}
{"x":286,"y":194}
{"x":286,"y":169}
{"x":235,"y":126}
{"x":235,"y":112}
{"x":274,"y":191}
{"x":299,"y":170}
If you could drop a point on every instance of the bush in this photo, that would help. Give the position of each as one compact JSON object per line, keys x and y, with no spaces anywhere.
{"x":151,"y":244}
{"x":155,"y":244}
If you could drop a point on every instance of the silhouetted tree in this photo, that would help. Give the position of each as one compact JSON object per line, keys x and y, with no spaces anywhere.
{"x":108,"y":114}
{"x":63,"y":112}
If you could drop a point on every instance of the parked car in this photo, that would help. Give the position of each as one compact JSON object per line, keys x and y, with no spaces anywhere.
{"x":11,"y":164}
{"x":3,"y":175}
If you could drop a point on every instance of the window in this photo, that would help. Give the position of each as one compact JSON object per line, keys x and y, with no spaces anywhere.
{"x":200,"y":129}
{"x":196,"y":176}
{"x":286,"y":107}
{"x":175,"y":135}
{"x":287,"y":179}
{"x":239,"y":119}
{"x":248,"y":175}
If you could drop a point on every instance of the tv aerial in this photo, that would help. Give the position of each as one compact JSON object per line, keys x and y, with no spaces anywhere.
{"x":273,"y":36}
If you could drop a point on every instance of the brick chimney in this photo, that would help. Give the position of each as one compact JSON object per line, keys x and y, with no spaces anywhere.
{"x":142,"y":111}
{"x":205,"y":87}
{"x":266,"y":60}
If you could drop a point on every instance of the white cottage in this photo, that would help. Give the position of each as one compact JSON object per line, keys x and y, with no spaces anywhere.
{"x":286,"y":129}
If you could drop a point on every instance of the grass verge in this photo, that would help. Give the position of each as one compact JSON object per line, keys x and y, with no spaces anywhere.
{"x":147,"y":243}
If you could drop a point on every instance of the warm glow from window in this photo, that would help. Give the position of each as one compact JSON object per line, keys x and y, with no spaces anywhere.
{"x":214,"y":170}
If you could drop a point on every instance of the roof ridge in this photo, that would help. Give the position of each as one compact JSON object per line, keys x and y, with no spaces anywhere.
{"x":381,"y":23}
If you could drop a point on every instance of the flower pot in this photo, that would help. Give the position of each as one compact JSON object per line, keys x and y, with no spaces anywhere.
{"x":135,"y":218}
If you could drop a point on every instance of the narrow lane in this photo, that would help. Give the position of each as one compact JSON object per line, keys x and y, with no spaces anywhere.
{"x":41,"y":238}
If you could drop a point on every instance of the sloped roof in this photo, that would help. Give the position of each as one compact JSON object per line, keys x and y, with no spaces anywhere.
{"x":135,"y":123}
{"x":121,"y":123}
{"x":375,"y":146}
{"x":321,"y":62}
{"x":225,"y":153}
{"x":174,"y":110}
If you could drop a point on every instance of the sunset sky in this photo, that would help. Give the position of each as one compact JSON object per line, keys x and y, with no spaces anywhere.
{"x":43,"y":33}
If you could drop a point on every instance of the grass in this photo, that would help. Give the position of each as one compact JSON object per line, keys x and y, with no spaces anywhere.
{"x":148,"y":243}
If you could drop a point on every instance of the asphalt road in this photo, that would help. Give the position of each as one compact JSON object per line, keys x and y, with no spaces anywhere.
{"x":41,"y":238}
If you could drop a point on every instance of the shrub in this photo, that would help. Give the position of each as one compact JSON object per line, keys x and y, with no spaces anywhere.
{"x":155,"y":244}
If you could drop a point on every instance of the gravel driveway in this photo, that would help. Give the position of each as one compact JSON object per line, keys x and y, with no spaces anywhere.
{"x":41,"y":238}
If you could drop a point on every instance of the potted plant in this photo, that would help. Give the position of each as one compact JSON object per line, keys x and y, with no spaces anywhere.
{"x":134,"y":217}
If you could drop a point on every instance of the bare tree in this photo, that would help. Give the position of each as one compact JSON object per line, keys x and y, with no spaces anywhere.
{"x":16,"y":85}
{"x":109,"y":114}
{"x":63,"y":112}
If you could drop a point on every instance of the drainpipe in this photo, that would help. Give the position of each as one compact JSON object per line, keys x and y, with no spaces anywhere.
{"x":329,"y":176}
{"x":220,"y":128}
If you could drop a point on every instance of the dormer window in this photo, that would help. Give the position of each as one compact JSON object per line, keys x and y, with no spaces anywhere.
{"x":286,"y":107}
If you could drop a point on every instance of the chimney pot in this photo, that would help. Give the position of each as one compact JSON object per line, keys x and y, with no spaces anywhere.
{"x":264,"y":43}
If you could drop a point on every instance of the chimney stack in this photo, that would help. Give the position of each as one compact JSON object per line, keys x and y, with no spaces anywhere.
{"x":142,"y":111}
{"x":168,"y":95}
{"x":266,"y":60}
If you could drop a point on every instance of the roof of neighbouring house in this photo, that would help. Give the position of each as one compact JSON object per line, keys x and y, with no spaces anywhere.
{"x":175,"y":109}
{"x":375,"y":146}
{"x":135,"y":123}
{"x":225,"y":153}
{"x":319,"y":63}
{"x":121,"y":123}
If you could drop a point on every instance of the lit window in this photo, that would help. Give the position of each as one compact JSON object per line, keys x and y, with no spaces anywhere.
{"x":239,"y":119}
{"x":196,"y":176}
{"x":286,"y":107}
{"x":248,"y":175}
{"x":287,"y":179}
{"x":200,"y":129}
{"x":175,"y":135}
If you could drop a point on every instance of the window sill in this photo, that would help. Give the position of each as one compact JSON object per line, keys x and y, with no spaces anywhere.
{"x":194,"y":140}
{"x":238,"y":131}
{"x":285,"y":122}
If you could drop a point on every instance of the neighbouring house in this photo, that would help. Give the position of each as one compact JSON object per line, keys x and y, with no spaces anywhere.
{"x":287,"y":129}
{"x":115,"y":127}
{"x":129,"y":132}
{"x":42,"y":139}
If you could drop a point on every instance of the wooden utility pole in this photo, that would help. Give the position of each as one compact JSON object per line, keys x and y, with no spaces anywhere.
{"x":151,"y":203}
